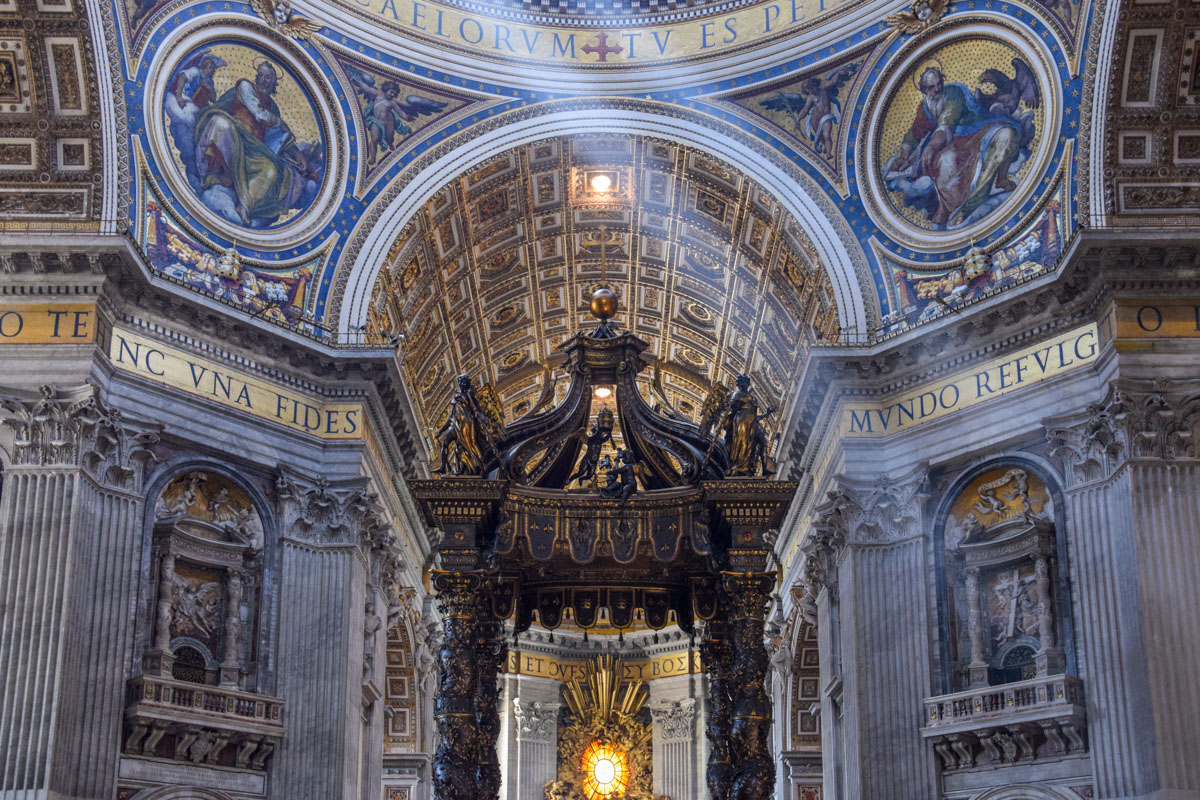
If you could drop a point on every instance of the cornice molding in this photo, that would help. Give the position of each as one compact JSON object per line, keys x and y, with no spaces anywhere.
{"x":1102,"y":265}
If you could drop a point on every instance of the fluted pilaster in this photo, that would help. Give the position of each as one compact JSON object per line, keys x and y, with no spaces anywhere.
{"x":865,"y":577}
{"x":70,"y":517}
{"x":331,"y":537}
{"x":536,"y":763}
{"x":1133,"y":519}
{"x":675,"y":749}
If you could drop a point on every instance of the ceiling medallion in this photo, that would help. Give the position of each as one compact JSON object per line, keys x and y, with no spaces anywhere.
{"x":245,"y":135}
{"x":967,"y":125}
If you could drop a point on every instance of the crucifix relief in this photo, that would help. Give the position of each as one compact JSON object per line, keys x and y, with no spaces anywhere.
{"x":677,"y":533}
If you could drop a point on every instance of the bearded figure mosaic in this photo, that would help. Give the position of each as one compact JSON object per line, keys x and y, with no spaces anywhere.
{"x":960,"y":134}
{"x":245,"y":135}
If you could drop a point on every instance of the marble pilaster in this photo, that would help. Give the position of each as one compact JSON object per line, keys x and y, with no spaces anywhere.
{"x":864,"y":560}
{"x":536,"y":727}
{"x":70,"y":544}
{"x":675,"y":745}
{"x":1134,"y":521}
{"x":328,"y":639}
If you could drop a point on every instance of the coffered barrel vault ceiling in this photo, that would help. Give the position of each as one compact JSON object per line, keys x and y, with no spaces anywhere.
{"x":497,"y":270}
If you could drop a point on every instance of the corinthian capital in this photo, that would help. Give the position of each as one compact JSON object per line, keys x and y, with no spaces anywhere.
{"x":328,"y":512}
{"x":71,"y":427}
{"x":536,"y":722}
{"x":675,"y":720}
{"x":886,"y":511}
{"x":1136,"y":419}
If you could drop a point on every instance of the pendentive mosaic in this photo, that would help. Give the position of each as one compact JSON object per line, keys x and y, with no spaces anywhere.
{"x":933,"y":146}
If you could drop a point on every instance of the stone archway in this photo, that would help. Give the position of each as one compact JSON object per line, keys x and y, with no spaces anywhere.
{"x":1026,"y":792}
{"x":800,"y":198}
{"x":180,"y":793}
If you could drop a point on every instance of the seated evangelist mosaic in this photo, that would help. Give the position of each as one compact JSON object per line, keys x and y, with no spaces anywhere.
{"x":244,"y":135}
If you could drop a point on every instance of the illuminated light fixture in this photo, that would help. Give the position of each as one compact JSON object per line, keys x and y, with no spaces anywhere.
{"x":603,"y":392}
{"x":601,"y":183}
{"x":605,"y":771}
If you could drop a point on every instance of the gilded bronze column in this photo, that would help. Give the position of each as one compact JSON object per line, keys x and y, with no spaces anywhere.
{"x":491,"y":652}
{"x":716,"y":653}
{"x":753,"y":766}
{"x":454,"y":763}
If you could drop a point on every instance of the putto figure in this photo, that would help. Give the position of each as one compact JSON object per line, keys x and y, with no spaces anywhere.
{"x":622,"y":478}
{"x":464,"y":436}
{"x":745,"y":437}
{"x":386,"y":115}
{"x":957,"y":160}
{"x":815,"y":109}
{"x":600,"y":433}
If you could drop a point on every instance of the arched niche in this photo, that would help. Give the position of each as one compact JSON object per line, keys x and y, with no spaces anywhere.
{"x":180,"y":793}
{"x":205,"y":580}
{"x":1025,"y":792}
{"x":1006,"y":602}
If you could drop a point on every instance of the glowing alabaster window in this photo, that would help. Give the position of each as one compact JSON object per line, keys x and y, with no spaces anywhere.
{"x":605,"y":771}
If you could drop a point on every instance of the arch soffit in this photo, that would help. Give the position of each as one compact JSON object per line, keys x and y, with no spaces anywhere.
{"x":1025,"y":792}
{"x":173,"y":468}
{"x":180,"y":793}
{"x":801,"y":198}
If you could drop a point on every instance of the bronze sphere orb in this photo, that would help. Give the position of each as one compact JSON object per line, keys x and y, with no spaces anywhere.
{"x":604,"y":303}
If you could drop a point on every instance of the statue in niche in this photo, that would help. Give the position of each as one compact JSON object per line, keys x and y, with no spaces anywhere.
{"x":371,"y":625}
{"x":622,"y":478}
{"x":745,"y":437}
{"x":600,"y":433}
{"x":466,"y":433}
{"x":197,"y":607}
{"x":1000,"y":536}
{"x":1014,"y":607}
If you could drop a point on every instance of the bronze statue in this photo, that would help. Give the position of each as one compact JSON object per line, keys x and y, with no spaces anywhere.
{"x":622,"y":478}
{"x":462,"y":440}
{"x":559,"y":790}
{"x":600,"y":433}
{"x":745,"y":438}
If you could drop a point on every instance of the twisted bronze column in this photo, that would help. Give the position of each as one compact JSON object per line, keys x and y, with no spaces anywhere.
{"x":491,"y":652}
{"x":716,"y":653}
{"x":454,"y":763}
{"x":753,"y":766}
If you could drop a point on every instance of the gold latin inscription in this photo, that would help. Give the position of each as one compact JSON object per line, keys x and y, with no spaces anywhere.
{"x":47,"y":323}
{"x":1028,"y":367}
{"x":196,"y":376}
{"x":1158,"y":319}
{"x":507,"y":40}
{"x":542,"y":666}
